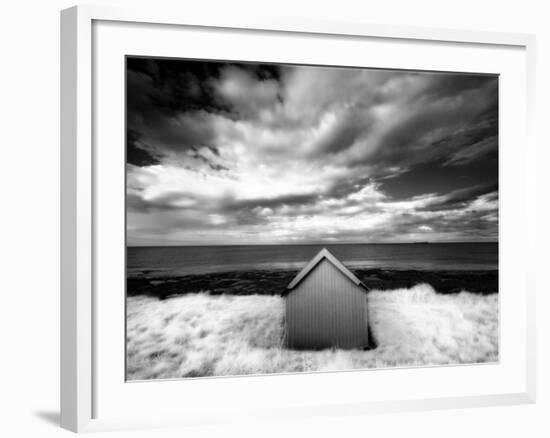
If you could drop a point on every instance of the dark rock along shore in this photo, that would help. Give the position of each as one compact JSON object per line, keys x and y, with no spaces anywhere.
{"x":274,"y":282}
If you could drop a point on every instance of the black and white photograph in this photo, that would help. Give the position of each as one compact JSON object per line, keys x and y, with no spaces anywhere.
{"x":287,"y":218}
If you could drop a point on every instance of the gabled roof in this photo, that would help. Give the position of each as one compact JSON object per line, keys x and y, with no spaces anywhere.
{"x":323,"y":254}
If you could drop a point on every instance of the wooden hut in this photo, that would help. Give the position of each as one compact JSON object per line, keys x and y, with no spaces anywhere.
{"x":326,"y":306}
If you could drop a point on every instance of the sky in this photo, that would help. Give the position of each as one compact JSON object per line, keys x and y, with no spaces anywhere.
{"x":222,"y":153}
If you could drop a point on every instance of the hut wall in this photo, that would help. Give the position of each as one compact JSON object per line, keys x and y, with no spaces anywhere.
{"x":326,"y":310}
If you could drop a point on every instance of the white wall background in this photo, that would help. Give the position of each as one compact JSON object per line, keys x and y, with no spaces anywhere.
{"x":29,"y":224}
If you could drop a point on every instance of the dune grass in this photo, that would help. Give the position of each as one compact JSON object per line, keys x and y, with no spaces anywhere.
{"x":202,"y":335}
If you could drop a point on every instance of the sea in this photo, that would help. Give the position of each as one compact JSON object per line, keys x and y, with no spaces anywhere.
{"x":163,"y":261}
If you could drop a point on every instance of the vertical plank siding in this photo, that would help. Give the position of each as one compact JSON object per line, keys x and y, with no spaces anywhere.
{"x":326,"y":310}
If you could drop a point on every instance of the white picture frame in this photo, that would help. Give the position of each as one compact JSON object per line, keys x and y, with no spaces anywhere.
{"x":82,"y":373}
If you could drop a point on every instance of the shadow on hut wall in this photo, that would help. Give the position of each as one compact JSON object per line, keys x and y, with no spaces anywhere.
{"x":372,"y":340}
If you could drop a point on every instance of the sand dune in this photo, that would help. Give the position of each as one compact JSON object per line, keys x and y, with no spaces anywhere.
{"x":204,"y":335}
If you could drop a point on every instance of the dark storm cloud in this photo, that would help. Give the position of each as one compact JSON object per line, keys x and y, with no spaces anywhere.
{"x":443,"y":119}
{"x":351,"y":127}
{"x":167,"y":201}
{"x":460,"y":198}
{"x":155,"y":117}
{"x":453,"y":85}
{"x":170,"y":103}
{"x":439,"y":177}
{"x":228,"y":205}
{"x":198,"y":154}
{"x":287,"y":200}
{"x":286,"y":153}
{"x":136,"y":153}
{"x":171,"y":86}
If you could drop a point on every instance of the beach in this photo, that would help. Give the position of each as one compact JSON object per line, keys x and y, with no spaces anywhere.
{"x":232,"y":323}
{"x":202,"y":335}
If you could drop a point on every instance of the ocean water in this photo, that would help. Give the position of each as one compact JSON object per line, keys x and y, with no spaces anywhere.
{"x":183,"y":260}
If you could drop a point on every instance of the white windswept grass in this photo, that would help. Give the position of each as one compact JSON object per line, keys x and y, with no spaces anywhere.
{"x":203,"y":335}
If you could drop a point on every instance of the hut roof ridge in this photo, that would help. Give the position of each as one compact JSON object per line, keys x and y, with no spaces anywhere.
{"x":321,"y":255}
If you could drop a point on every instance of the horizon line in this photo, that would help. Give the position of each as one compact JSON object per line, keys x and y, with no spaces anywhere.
{"x":314,"y":244}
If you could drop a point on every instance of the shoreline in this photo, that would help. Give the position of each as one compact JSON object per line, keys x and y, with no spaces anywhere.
{"x":274,"y":281}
